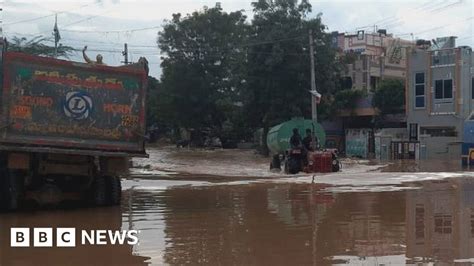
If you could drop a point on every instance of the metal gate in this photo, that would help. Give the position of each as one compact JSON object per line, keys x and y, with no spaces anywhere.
{"x":404,"y":150}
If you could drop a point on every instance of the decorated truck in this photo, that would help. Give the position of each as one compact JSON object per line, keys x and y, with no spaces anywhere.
{"x":67,"y":129}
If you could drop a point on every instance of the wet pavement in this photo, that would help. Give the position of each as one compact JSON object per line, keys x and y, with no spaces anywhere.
{"x":348,"y":218}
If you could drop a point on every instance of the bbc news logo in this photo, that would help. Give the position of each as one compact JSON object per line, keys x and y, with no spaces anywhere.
{"x":66,"y":237}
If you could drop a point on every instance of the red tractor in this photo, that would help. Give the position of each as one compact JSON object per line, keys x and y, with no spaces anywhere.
{"x":319,"y":161}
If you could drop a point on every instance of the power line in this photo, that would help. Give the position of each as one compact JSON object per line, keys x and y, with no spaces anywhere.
{"x":113,"y":31}
{"x":212,"y":49}
{"x":85,"y":19}
{"x":233,"y":47}
{"x":443,"y":8}
{"x":236,"y":46}
{"x":111,"y":43}
{"x":47,"y":16}
{"x":437,"y":28}
{"x":393,"y":19}
{"x":66,"y":39}
{"x":75,"y":22}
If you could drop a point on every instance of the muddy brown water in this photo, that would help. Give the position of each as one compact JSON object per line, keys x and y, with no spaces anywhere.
{"x":265,"y":224}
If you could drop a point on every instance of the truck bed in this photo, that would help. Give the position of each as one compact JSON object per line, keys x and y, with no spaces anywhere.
{"x":68,"y":107}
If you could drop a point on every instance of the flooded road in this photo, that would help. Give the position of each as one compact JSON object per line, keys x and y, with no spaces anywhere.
{"x":267,"y":223}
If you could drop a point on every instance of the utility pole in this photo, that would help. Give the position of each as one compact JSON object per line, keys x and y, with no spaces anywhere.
{"x":57,"y":36}
{"x":1,"y":23}
{"x":314,"y":108}
{"x":125,"y":53}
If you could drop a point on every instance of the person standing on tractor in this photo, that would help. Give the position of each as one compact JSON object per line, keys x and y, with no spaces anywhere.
{"x":307,"y":141}
{"x":295,"y":140}
{"x":298,"y":152}
{"x":310,"y":142}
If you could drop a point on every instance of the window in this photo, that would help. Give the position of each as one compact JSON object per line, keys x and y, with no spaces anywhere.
{"x":444,"y":89}
{"x":448,"y":88}
{"x":443,"y":224}
{"x":439,"y":131}
{"x":419,"y":221}
{"x":373,"y":83}
{"x":472,"y":88}
{"x":472,"y":223}
{"x":413,"y":131}
{"x":443,"y":57}
{"x":419,"y":90}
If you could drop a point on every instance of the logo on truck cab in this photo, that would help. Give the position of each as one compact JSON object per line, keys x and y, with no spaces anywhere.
{"x":78,"y":105}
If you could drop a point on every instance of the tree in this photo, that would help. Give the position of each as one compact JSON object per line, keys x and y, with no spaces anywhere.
{"x":278,"y":63}
{"x":389,"y":96}
{"x":202,"y":66}
{"x":36,"y":46}
{"x":346,"y":100}
{"x":153,"y":100}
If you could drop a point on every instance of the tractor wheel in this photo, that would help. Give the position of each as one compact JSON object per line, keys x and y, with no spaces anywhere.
{"x":293,"y":165}
{"x":336,"y":165}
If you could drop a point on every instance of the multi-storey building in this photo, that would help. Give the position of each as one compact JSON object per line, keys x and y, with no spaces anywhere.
{"x":376,"y":56}
{"x":373,"y":57}
{"x":439,"y":97}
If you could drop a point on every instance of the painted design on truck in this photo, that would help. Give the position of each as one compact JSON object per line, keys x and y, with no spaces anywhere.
{"x":78,"y":105}
{"x":91,"y":82}
{"x":74,"y":103}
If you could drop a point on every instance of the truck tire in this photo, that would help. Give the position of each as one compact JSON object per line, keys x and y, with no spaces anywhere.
{"x":10,"y":190}
{"x":98,"y":192}
{"x":114,"y":190}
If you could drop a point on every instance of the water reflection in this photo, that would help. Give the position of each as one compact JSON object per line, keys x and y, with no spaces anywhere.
{"x":84,"y":219}
{"x":269,"y":224}
{"x":280,"y":225}
{"x":440,"y":221}
{"x":307,"y":225}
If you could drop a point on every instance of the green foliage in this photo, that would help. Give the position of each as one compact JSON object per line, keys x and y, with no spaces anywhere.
{"x":153,"y":101}
{"x":389,"y":96}
{"x":202,"y":66}
{"x":221,"y":72}
{"x":279,"y":71}
{"x":279,"y":67}
{"x":347,"y":99}
{"x":36,"y":46}
{"x":342,"y":100}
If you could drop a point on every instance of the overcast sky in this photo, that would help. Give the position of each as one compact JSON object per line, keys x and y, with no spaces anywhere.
{"x":105,"y":25}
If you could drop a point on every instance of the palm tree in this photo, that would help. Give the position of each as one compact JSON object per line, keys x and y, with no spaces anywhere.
{"x":36,"y":46}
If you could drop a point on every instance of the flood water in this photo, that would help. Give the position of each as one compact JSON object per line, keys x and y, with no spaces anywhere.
{"x":184,"y":222}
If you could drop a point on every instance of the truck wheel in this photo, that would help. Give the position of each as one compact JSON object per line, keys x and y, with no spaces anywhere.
{"x":10,"y":189}
{"x":114,"y":190}
{"x":98,"y":192}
